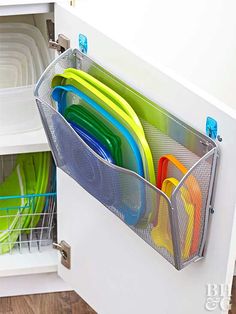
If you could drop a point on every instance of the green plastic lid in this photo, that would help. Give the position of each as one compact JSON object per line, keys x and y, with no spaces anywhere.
{"x":82,"y":117}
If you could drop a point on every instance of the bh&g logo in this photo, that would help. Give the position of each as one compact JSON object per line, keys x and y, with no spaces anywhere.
{"x":218,"y":297}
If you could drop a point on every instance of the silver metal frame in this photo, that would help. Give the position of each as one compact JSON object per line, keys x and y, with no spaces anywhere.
{"x":208,"y":203}
{"x":209,"y":199}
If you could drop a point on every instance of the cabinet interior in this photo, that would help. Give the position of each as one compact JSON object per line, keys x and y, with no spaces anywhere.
{"x":38,"y":237}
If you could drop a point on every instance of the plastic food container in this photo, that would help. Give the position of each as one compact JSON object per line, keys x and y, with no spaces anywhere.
{"x":16,"y":72}
{"x":28,"y":42}
{"x":18,"y":111}
{"x":23,"y":57}
{"x":22,"y":52}
{"x":32,"y":32}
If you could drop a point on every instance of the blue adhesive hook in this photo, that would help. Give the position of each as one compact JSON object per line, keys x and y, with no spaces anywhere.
{"x":211,"y":128}
{"x":83,"y":43}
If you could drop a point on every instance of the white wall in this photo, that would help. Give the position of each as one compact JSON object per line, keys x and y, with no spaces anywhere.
{"x":196,"y":39}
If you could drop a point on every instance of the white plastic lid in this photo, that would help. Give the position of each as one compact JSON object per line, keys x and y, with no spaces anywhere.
{"x":18,"y":71}
{"x":18,"y":110}
{"x":29,"y":43}
{"x":31,"y":31}
{"x":4,"y":55}
{"x":23,"y":52}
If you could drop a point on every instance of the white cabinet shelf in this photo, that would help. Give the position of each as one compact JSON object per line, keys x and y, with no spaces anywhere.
{"x":22,"y":285}
{"x":34,"y":141}
{"x":26,"y":262}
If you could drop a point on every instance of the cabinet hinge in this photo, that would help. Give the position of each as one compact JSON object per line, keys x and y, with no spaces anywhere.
{"x":72,"y":3}
{"x":65,"y":250}
{"x":61,"y":44}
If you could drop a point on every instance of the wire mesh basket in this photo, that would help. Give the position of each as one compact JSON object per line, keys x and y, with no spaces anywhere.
{"x":23,"y":227}
{"x":173,"y":221}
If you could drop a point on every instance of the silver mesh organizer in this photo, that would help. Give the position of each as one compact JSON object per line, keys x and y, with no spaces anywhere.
{"x":176,"y":227}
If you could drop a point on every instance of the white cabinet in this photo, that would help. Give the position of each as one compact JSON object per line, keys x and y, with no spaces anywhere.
{"x":23,"y":262}
{"x":111,"y":267}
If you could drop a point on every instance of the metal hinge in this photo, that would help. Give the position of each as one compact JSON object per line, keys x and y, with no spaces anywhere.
{"x":65,"y":250}
{"x":72,"y":3}
{"x":61,"y":44}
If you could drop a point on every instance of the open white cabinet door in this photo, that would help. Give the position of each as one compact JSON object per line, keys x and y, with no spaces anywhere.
{"x":113,"y":269}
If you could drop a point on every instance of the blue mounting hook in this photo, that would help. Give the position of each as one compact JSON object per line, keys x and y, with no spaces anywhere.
{"x":211,"y":128}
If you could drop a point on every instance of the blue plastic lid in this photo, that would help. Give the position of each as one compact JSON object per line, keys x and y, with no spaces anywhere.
{"x":92,"y":143}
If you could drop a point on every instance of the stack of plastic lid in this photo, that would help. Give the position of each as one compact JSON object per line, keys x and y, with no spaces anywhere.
{"x":23,"y":57}
{"x":107,"y":123}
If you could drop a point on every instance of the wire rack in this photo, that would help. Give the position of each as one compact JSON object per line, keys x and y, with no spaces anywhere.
{"x":22,"y":228}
